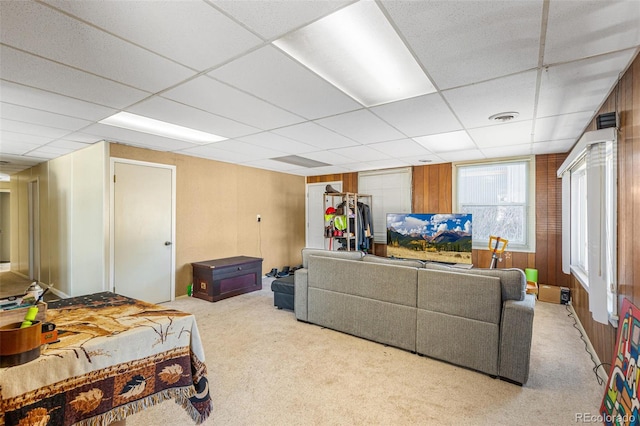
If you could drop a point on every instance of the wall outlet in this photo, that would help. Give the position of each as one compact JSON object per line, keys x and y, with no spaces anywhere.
{"x":258,"y":218}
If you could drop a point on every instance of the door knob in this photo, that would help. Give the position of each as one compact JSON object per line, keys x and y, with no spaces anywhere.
{"x":167,"y":243}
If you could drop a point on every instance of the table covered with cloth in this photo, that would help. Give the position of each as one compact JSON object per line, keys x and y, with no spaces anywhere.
{"x":115,"y":356}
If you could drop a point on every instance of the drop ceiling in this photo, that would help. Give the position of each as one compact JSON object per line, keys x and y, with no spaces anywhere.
{"x":212,"y":66}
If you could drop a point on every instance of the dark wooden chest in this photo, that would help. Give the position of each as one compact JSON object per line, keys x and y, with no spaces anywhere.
{"x":218,"y":279}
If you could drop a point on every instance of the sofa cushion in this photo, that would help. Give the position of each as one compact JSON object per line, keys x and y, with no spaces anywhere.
{"x":513,"y":282}
{"x":388,"y":261}
{"x":350,"y":255}
{"x":386,"y":283}
{"x":463,"y":295}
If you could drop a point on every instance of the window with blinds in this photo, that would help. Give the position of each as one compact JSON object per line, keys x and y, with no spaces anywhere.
{"x":500,"y":198}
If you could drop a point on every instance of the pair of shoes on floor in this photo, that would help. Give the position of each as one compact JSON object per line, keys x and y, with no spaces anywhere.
{"x":283,"y":273}
{"x":273,"y":273}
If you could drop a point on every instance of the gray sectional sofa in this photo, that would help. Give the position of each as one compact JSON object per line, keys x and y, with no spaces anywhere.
{"x":478,"y":318}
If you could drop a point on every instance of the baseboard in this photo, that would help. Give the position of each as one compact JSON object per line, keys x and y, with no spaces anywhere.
{"x":57,"y":292}
{"x":601,"y":370}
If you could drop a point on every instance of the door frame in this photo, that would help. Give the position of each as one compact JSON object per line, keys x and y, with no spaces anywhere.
{"x":306,"y":207}
{"x":33,"y":219}
{"x":112,"y":166}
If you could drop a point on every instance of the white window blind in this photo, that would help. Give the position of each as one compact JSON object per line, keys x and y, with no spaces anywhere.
{"x":498,"y":195}
{"x":390,"y":191}
{"x":590,"y":207}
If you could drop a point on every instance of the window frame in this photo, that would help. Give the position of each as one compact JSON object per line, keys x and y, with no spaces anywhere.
{"x":530,"y":216}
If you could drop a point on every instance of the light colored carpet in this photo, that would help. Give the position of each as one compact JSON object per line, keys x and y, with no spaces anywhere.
{"x":266,"y":368}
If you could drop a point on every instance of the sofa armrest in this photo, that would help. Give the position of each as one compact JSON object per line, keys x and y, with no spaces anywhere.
{"x":516,"y":330}
{"x":301,"y":282}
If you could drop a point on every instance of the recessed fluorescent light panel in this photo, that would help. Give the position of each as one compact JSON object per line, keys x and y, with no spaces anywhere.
{"x":446,"y":142}
{"x":142,"y":124}
{"x":357,"y":50}
{"x":300,"y":161}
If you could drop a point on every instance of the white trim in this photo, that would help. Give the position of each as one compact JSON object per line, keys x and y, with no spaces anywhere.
{"x":112,"y":162}
{"x":589,"y":138}
{"x":306,"y":206}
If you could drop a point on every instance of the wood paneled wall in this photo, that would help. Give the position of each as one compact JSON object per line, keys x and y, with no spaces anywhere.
{"x":549,"y":220}
{"x":431,"y":188}
{"x":625,"y":99}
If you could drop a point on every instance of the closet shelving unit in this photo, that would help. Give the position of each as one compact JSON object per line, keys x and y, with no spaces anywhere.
{"x":348,"y":238}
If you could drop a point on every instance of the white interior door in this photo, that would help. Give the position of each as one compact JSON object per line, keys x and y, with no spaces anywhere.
{"x":143,"y":252}
{"x":315,"y":213}
{"x":5,"y":230}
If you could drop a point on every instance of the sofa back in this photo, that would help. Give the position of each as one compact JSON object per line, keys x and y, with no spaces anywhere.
{"x":386,"y":283}
{"x":460,"y":294}
{"x":513,"y":282}
{"x":350,"y":255}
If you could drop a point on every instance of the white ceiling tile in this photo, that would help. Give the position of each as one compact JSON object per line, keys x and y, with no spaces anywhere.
{"x":580,"y":29}
{"x":389,"y":163}
{"x":277,"y":142}
{"x":361,"y":126}
{"x":212,"y":153}
{"x":568,"y":126}
{"x":83,"y":138}
{"x":313,"y":134}
{"x":68,"y":144}
{"x":466,"y":155}
{"x":32,"y":129}
{"x":507,"y":151}
{"x":66,"y":40}
{"x":461,"y":42}
{"x":578,"y":86}
{"x":553,"y":147}
{"x":502,"y":135}
{"x":423,"y":115}
{"x":21,"y":138}
{"x":190,"y":32}
{"x":423,"y":160}
{"x":33,"y":71}
{"x":183,"y":115}
{"x":218,"y":98}
{"x":328,"y":157}
{"x":131,"y":137}
{"x":17,"y":147}
{"x":360,"y":153}
{"x":47,"y":101}
{"x":445,"y":142}
{"x":401,"y":148}
{"x":252,"y":151}
{"x":274,"y":18}
{"x":475,"y":104}
{"x":278,"y":79}
{"x":45,"y":118}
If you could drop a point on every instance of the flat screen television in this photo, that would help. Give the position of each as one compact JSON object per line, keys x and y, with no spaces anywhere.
{"x":435,"y":237}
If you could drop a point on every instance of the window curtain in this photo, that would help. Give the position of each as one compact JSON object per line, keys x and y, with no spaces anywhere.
{"x":597,"y":232}
{"x":599,"y":149}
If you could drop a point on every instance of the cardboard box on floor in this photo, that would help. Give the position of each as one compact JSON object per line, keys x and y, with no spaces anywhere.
{"x":553,"y":294}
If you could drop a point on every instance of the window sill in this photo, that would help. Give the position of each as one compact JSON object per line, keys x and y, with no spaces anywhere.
{"x":581,"y":276}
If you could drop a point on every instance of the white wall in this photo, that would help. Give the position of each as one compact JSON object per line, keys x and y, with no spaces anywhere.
{"x":5,"y":228}
{"x":77,"y":221}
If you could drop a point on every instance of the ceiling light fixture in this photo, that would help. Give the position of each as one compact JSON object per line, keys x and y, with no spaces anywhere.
{"x":300,"y":161}
{"x":504,"y":116}
{"x":129,"y":121}
{"x":357,"y":50}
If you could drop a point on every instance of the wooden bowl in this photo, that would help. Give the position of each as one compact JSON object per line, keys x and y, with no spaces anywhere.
{"x":19,"y":345}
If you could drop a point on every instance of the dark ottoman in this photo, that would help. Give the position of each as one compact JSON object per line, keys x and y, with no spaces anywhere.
{"x":283,"y":291}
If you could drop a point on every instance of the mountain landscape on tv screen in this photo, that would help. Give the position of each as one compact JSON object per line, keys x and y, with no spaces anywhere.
{"x":435,"y":237}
